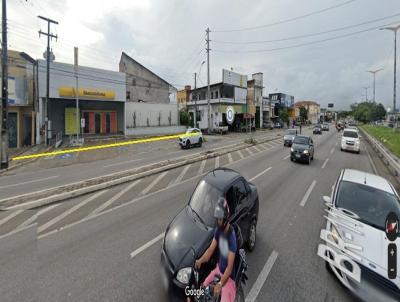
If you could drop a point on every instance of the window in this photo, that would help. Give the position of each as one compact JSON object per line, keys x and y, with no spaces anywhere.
{"x":236,"y":195}
{"x":352,"y":134}
{"x":212,"y":95}
{"x":128,"y":95}
{"x":216,"y":94}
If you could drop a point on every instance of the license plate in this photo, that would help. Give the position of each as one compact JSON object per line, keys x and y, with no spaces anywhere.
{"x":297,"y":155}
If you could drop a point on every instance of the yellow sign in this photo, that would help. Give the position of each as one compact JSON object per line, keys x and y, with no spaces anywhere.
{"x":86,"y":93}
{"x":70,"y":121}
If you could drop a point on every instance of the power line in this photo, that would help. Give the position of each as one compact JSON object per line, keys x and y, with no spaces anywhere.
{"x":303,"y":44}
{"x":287,"y":20}
{"x":309,"y":35}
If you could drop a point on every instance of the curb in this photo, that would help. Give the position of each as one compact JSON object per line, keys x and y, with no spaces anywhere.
{"x":52,"y":195}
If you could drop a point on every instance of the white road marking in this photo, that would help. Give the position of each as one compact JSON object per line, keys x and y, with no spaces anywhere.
{"x":286,"y":157}
{"x":217,"y":162}
{"x":154,"y":182}
{"x":309,"y":190}
{"x":269,"y":145}
{"x":325,"y":162}
{"x":182,"y":174}
{"x":230,"y":157}
{"x":371,"y":162}
{"x":336,"y":143}
{"x":240,"y":154}
{"x":262,"y":277}
{"x":332,"y":150}
{"x":250,"y":152}
{"x":203,"y":164}
{"x":114,"y":198}
{"x":122,"y":163}
{"x":261,"y":173}
{"x":28,"y":182}
{"x":69,"y":211}
{"x":11,"y":216}
{"x":262,"y":147}
{"x":34,"y":218}
{"x":146,"y":246}
{"x":258,"y":149}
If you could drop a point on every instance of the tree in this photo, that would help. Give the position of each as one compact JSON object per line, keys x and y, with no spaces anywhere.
{"x":303,"y":114}
{"x":184,"y":118}
{"x":367,"y":112}
{"x":380,"y":112}
{"x":284,"y":115}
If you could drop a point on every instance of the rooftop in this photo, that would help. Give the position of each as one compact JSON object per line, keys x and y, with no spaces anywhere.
{"x":367,"y":179}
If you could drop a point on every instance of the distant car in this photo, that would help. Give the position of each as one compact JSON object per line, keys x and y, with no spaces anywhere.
{"x":302,"y":149}
{"x":325,"y":127}
{"x":268,"y":125}
{"x":350,"y":140}
{"x":192,"y":137}
{"x":191,"y":231}
{"x":289,"y":137}
{"x":278,"y":125}
{"x":356,"y":237}
{"x":317,"y":129}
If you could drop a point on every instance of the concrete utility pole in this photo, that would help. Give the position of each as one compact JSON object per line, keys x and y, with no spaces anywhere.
{"x":394,"y":29}
{"x":195,"y":102}
{"x":208,"y":80}
{"x":366,"y":93}
{"x":4,"y":92}
{"x":373,"y":73}
{"x":49,"y":36}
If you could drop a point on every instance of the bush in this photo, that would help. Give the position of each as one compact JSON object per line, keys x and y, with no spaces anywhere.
{"x":184,"y":118}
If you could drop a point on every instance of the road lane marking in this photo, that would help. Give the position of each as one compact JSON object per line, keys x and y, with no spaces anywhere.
{"x":258,"y":149}
{"x":332,"y":150}
{"x":286,"y":157}
{"x":261,"y":173}
{"x":371,"y":162}
{"x":309,"y":190}
{"x":325,"y":162}
{"x":114,"y":198}
{"x":262,"y":147}
{"x":250,"y":152}
{"x":123,"y":162}
{"x":146,"y":246}
{"x":28,"y":182}
{"x":262,"y":277}
{"x":153,"y":183}
{"x":182,"y":174}
{"x":34,"y":218}
{"x":69,"y":211}
{"x":217,"y":162}
{"x":11,"y":216}
{"x":230,"y":157}
{"x":203,"y":164}
{"x":336,"y":144}
{"x":240,"y":154}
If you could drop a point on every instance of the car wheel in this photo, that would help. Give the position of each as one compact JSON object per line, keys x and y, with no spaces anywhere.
{"x":251,"y":240}
{"x":341,"y":149}
{"x":291,"y":159}
{"x":200,"y":142}
{"x":358,"y":152}
{"x":312,"y":157}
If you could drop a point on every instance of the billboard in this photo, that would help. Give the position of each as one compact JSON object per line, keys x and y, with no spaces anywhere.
{"x":233,"y":78}
{"x":330,"y":105}
{"x":17,"y":91}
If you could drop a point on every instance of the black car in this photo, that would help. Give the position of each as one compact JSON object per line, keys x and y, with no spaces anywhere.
{"x":302,"y":149}
{"x":190,"y":233}
{"x":317,"y":129}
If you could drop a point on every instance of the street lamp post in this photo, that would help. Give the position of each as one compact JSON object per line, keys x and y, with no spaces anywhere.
{"x":366,"y":93}
{"x":373,"y":73}
{"x":394,"y":30}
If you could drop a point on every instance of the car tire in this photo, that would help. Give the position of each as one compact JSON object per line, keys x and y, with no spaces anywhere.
{"x":341,"y":149}
{"x":200,"y":142}
{"x":291,"y":159}
{"x":312,"y":157}
{"x":358,"y":152}
{"x":251,"y":239}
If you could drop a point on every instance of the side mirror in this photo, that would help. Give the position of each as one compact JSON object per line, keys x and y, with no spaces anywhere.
{"x":326,"y":199}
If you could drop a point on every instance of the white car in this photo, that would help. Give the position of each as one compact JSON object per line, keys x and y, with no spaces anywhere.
{"x":350,"y":140}
{"x":192,"y":137}
{"x":357,"y":247}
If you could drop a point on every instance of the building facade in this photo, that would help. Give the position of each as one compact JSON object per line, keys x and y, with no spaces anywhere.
{"x":183,"y":97}
{"x":255,"y":98}
{"x":101,"y":95}
{"x":281,"y":101}
{"x":313,"y":109}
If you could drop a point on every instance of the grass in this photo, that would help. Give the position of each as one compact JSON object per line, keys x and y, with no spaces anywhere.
{"x":386,"y":136}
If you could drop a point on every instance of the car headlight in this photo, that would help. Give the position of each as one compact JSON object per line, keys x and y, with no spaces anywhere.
{"x":291,"y":149}
{"x":305,"y":151}
{"x":184,"y":274}
{"x":357,"y":143}
{"x":334,"y":235}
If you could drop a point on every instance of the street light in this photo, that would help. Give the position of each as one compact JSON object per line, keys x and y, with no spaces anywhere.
{"x":195,"y":86}
{"x":366,"y":93}
{"x":373,"y":73}
{"x":394,"y":29}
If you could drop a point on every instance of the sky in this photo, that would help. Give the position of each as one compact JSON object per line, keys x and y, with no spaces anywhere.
{"x":168,"y":37}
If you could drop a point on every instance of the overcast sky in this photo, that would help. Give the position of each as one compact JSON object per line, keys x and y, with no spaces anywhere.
{"x":167,"y":36}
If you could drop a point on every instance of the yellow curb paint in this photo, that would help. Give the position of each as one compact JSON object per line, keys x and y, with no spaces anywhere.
{"x":84,"y":149}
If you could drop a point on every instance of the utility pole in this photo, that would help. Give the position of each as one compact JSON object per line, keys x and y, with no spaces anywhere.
{"x":366,"y":93}
{"x":373,"y":73}
{"x":4,"y":92}
{"x":49,"y":37}
{"x":195,"y":101}
{"x":208,"y":80}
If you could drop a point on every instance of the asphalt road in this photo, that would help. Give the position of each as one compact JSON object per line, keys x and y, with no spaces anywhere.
{"x":83,"y":252}
{"x":59,"y":170}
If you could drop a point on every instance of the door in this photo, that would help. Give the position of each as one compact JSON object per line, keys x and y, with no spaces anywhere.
{"x":108,"y":123}
{"x":27,"y":130}
{"x":242,"y":208}
{"x":97,"y":122}
{"x":12,"y":129}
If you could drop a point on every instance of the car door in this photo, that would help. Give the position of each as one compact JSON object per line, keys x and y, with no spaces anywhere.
{"x":242,"y":214}
{"x":311,"y":144}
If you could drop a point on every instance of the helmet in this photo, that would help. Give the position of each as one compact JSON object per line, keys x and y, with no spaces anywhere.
{"x":221,"y":209}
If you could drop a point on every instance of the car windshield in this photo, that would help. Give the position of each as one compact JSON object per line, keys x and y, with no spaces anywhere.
{"x":301,"y":140}
{"x":352,"y":134}
{"x":203,"y":202}
{"x":317,"y":127}
{"x":370,"y":204}
{"x":291,"y":132}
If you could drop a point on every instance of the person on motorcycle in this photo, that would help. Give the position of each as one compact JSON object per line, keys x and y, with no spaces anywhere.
{"x":225,"y":240}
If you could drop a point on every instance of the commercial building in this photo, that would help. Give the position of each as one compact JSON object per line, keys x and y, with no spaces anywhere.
{"x":22,"y":90}
{"x":255,"y":98}
{"x":183,"y":97}
{"x":313,"y":109}
{"x":281,"y":101}
{"x":101,"y":94}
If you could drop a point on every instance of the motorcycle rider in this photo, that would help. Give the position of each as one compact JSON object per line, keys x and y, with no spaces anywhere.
{"x":225,"y":240}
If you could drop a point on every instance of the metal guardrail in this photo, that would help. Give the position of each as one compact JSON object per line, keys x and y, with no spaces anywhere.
{"x":391,"y":160}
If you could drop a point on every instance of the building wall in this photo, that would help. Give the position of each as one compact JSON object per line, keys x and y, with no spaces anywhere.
{"x":141,"y":84}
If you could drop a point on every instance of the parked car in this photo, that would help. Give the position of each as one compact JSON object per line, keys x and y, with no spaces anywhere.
{"x":289,"y":137}
{"x":277,"y":125}
{"x":302,"y":149}
{"x":191,"y":231}
{"x":350,"y":140}
{"x":317,"y":129}
{"x":221,"y":129}
{"x":192,"y":137}
{"x":268,"y":125}
{"x":360,"y":234}
{"x":325,"y":127}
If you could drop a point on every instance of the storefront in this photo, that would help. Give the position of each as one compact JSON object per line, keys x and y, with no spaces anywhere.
{"x":101,"y":95}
